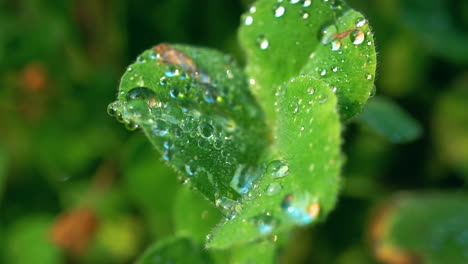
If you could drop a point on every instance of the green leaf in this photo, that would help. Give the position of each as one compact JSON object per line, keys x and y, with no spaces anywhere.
{"x":30,"y":234}
{"x":262,"y":252}
{"x":428,"y":227}
{"x":391,"y":121}
{"x":195,"y":107}
{"x":150,"y":184}
{"x":194,"y":216}
{"x":325,"y":39}
{"x":301,"y":182}
{"x":175,"y":250}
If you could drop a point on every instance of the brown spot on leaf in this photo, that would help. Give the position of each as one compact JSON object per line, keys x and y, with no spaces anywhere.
{"x":74,"y":230}
{"x":177,"y":57}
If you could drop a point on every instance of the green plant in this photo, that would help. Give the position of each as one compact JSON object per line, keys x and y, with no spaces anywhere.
{"x":261,"y":145}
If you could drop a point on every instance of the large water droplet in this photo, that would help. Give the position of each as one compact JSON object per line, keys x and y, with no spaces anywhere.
{"x":243,"y":179}
{"x":141,"y":93}
{"x":263,"y":42}
{"x":307,"y":3}
{"x":357,"y":37}
{"x":336,"y":45}
{"x":277,"y":169}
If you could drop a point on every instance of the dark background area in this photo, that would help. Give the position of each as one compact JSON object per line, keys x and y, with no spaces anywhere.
{"x":65,"y":165}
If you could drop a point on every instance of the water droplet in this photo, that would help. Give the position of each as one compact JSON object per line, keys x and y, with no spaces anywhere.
{"x":323,"y":72}
{"x":189,"y":168}
{"x":174,"y":92}
{"x":294,"y":1}
{"x":229,"y":74}
{"x":336,"y":45}
{"x":322,"y":98}
{"x":160,"y":127}
{"x":206,"y":130}
{"x":252,"y":9}
{"x":111,"y":109}
{"x":357,"y":37}
{"x":296,"y":210}
{"x":368,"y":76}
{"x":311,"y":90}
{"x":307,"y":3}
{"x":277,"y":169}
{"x":279,"y":10}
{"x":171,"y":71}
{"x":273,"y":188}
{"x":167,"y":155}
{"x":129,"y":69}
{"x":266,"y":223}
{"x":335,"y":69}
{"x":209,"y":95}
{"x":361,"y":22}
{"x":131,"y":126}
{"x":262,"y":42}
{"x":248,"y":20}
{"x":142,"y":93}
{"x":163,"y":80}
{"x":228,"y":207}
{"x":304,"y":14}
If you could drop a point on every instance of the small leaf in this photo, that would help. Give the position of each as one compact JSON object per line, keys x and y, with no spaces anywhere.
{"x":423,"y":228}
{"x":300,"y":184}
{"x":325,"y":39}
{"x":175,"y":250}
{"x":195,"y":107}
{"x":194,"y":216}
{"x":391,"y":121}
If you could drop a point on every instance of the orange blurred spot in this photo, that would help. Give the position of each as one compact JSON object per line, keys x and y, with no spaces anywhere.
{"x":378,"y":231}
{"x":73,"y":231}
{"x":34,"y":77}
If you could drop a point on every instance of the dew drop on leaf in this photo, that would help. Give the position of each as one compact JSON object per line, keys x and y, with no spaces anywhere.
{"x":361,"y":22}
{"x":273,"y":188}
{"x":277,"y":169}
{"x":263,"y":42}
{"x":265,"y":223}
{"x":248,"y":20}
{"x":307,"y":3}
{"x":160,"y":127}
{"x":279,"y":10}
{"x":206,"y":130}
{"x":357,"y":37}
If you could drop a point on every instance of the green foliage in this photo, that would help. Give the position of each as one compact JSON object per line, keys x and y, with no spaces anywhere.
{"x":27,"y":232}
{"x":431,"y":227}
{"x":327,"y":40}
{"x":389,"y":120}
{"x":60,"y":151}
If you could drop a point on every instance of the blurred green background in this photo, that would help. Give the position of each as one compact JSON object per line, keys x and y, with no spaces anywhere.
{"x":68,"y":170}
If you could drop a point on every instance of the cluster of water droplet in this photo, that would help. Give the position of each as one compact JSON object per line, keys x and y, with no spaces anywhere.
{"x":201,"y":117}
